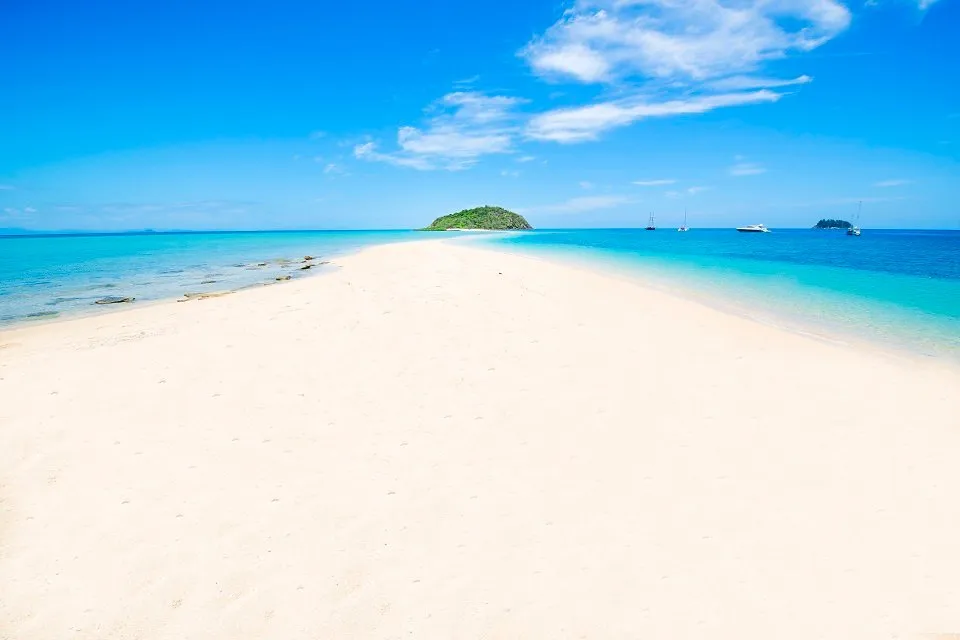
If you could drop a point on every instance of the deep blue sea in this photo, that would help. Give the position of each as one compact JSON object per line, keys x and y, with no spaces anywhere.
{"x":900,"y":288}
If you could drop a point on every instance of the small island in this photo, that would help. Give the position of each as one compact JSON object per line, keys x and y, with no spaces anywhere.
{"x":480,"y":218}
{"x":832,"y":224}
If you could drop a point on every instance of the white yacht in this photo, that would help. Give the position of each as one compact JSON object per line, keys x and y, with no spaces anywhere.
{"x":753,"y":228}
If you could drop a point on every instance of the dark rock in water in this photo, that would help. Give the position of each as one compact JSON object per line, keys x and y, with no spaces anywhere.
{"x":207,"y":281}
{"x":325,"y":262}
{"x":305,"y":267}
{"x":305,"y":258}
{"x":114,"y":300}
{"x":43,"y":314}
{"x":280,"y":278}
{"x":261,"y":264}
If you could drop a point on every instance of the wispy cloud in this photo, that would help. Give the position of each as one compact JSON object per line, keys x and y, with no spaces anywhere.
{"x":316,"y":135}
{"x":466,"y":126}
{"x":925,"y":4}
{"x":653,"y":183}
{"x":16,"y":214}
{"x":582,"y":204}
{"x":368,"y":151}
{"x":526,"y":158}
{"x":466,"y":82}
{"x":672,"y":57}
{"x":891,"y":183}
{"x":743,"y":83}
{"x":746,"y":169}
{"x":843,"y":201}
{"x":691,"y":191}
{"x":510,"y":174}
{"x":607,"y":40}
{"x":332,"y":168}
{"x":579,"y":124}
{"x":586,"y":184}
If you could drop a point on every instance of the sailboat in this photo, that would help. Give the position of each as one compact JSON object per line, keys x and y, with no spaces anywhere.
{"x":684,"y":227}
{"x":651,"y":225}
{"x":855,"y":229}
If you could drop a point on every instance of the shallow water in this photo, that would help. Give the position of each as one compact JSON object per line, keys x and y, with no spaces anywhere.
{"x":47,"y":276}
{"x":901,"y":288}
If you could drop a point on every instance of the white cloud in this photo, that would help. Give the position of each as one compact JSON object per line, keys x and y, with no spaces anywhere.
{"x":585,"y":184}
{"x":587,"y":123}
{"x":332,"y":168}
{"x":526,"y":159}
{"x":467,"y":125}
{"x":510,"y":174}
{"x":673,"y":57}
{"x":746,"y":169}
{"x":368,"y":151}
{"x":605,"y":40}
{"x":572,"y":59}
{"x":653,"y":183}
{"x":692,"y":191}
{"x":891,"y":183}
{"x":743,"y":83}
{"x":582,"y":204}
{"x":316,"y":135}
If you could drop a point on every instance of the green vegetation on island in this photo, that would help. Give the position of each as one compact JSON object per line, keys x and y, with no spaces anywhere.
{"x":487,"y":218}
{"x":832,"y":224}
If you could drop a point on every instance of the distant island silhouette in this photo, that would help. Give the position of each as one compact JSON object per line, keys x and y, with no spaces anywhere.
{"x":827,"y":223}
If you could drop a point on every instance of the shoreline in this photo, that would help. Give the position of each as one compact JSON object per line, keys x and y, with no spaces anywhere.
{"x":439,"y":437}
{"x":94,"y":310}
{"x":724,"y":304}
{"x":66,"y":275}
{"x":772,"y":315}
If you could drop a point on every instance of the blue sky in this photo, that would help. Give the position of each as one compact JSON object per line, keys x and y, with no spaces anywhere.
{"x":295,"y":114}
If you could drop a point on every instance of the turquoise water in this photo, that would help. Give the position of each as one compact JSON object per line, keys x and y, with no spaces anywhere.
{"x":49,"y":276}
{"x":901,"y":288}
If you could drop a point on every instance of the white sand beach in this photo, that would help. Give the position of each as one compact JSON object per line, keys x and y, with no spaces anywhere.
{"x":443,"y":441}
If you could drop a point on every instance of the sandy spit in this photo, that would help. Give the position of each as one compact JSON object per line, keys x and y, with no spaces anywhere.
{"x":439,"y":441}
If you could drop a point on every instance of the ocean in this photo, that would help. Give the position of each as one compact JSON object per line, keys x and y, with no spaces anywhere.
{"x":898,"y":288}
{"x":43,"y":277}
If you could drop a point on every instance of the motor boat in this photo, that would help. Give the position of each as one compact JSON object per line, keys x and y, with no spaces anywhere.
{"x":753,"y":228}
